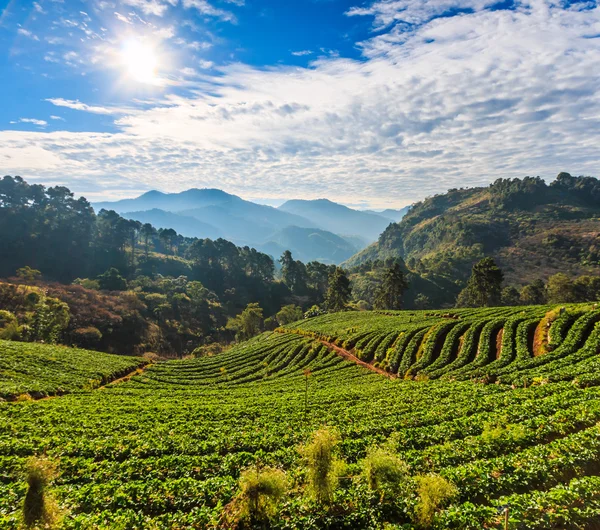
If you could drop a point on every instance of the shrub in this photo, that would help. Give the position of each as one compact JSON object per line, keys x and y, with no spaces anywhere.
{"x":87,"y":337}
{"x":260,"y":492}
{"x":384,"y":470}
{"x":39,"y":506}
{"x":323,"y":465}
{"x":433,"y":492}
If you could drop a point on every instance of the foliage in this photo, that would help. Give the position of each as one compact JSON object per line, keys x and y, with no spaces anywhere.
{"x":434,"y":491}
{"x":288,"y":314}
{"x":384,"y":471}
{"x":165,"y":449}
{"x":339,"y":291}
{"x":323,"y":465}
{"x":248,"y":323}
{"x":111,"y":280}
{"x":391,"y":290}
{"x":484,"y":286}
{"x":261,"y":489}
{"x":41,"y":370}
{"x":530,"y":228}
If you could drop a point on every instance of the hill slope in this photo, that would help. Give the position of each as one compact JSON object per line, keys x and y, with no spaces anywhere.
{"x":339,"y":219}
{"x":44,"y":370}
{"x":185,"y":225}
{"x":309,"y":244}
{"x":532,"y":229}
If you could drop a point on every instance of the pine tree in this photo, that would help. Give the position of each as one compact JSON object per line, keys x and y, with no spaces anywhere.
{"x":484,"y":287}
{"x":391,"y":290}
{"x":338,"y":294}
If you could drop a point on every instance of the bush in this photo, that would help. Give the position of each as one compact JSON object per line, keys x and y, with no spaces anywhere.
{"x":384,"y":470}
{"x":260,"y":492}
{"x":39,"y":506}
{"x":433,"y":492}
{"x":323,"y":465}
{"x":87,"y":337}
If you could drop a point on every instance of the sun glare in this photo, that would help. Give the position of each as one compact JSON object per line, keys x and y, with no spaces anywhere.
{"x":140,"y":61}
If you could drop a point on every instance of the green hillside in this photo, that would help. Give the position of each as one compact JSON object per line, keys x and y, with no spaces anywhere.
{"x":165,"y":449}
{"x":38,"y":370}
{"x":532,"y":230}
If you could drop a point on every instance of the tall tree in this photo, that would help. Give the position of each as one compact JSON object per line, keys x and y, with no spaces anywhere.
{"x":484,"y":288}
{"x":293,"y":273}
{"x":339,"y":291}
{"x":147,"y":232}
{"x":392,"y":288}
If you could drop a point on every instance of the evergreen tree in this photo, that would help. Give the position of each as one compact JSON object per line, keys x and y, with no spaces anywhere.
{"x":391,"y":290}
{"x":484,"y":287}
{"x":339,"y":291}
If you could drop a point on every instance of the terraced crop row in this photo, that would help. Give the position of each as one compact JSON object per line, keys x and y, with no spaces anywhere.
{"x":495,"y":343}
{"x":165,"y":449}
{"x":39,"y":370}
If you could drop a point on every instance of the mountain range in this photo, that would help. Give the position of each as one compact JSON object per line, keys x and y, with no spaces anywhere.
{"x":319,"y":229}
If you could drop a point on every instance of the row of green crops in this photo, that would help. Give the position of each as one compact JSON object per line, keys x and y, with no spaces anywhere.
{"x":38,"y":370}
{"x":165,"y":449}
{"x":492,"y":343}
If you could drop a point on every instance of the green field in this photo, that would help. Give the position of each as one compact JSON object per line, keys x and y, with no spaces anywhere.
{"x":467,"y":399}
{"x":40,"y":370}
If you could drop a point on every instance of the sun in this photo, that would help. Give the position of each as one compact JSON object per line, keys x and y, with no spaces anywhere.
{"x":139,"y":61}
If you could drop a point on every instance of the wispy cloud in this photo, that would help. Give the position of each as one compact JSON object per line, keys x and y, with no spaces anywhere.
{"x":78,"y":105}
{"x":300,"y":53}
{"x":26,"y":33}
{"x":33,"y":121}
{"x":205,"y":8}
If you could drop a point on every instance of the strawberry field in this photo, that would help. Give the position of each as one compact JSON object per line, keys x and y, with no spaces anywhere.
{"x":503,"y":403}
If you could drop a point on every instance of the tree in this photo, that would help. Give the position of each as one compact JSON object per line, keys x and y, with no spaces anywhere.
{"x":392,"y":288}
{"x":533,"y":294}
{"x":339,"y":291}
{"x":111,"y":280}
{"x":288,"y":314}
{"x":484,"y":286}
{"x":510,"y":296}
{"x":293,"y":273}
{"x":560,"y":289}
{"x":134,"y":230}
{"x":147,"y":231}
{"x":248,"y":323}
{"x":27,"y":274}
{"x":167,"y":236}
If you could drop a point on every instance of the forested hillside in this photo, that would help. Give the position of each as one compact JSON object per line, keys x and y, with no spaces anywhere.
{"x":531,"y":229}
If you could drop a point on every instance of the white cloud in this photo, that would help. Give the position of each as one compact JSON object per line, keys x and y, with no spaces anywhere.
{"x":204,"y":8}
{"x":78,"y":105}
{"x":26,"y":33}
{"x":33,"y":121}
{"x":387,"y":12}
{"x":458,"y":101}
{"x":53,"y":117}
{"x":300,"y":53}
{"x":149,"y":7}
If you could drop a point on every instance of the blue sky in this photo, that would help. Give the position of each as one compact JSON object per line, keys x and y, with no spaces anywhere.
{"x":372,"y":103}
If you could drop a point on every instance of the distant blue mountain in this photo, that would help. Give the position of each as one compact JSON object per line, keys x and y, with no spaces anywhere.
{"x":313,"y":230}
{"x":339,"y":219}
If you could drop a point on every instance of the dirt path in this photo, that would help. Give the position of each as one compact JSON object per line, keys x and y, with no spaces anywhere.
{"x":350,"y":357}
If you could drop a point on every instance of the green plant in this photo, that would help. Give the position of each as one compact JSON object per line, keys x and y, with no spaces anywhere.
{"x":323,"y":465}
{"x":384,"y":470}
{"x":260,"y":492}
{"x":433,"y":492}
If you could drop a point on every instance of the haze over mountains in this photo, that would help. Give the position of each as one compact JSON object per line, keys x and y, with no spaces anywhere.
{"x":311,"y":229}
